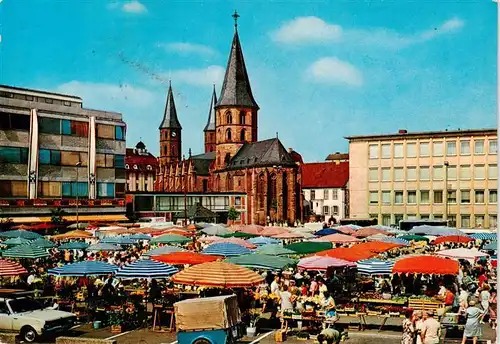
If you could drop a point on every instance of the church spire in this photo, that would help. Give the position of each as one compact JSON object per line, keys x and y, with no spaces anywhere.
{"x":170,"y":120}
{"x":236,"y":90}
{"x":211,"y":114}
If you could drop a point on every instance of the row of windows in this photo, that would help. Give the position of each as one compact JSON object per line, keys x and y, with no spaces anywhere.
{"x":11,"y":121}
{"x":465,"y":219}
{"x":229,"y":118}
{"x":13,"y":155}
{"x":58,"y":126}
{"x":334,"y":210}
{"x":326,"y":194}
{"x":463,"y":172}
{"x":229,"y":135}
{"x":60,"y":189}
{"x":66,"y":158}
{"x":36,"y":99}
{"x":398,"y":197}
{"x":439,"y":148}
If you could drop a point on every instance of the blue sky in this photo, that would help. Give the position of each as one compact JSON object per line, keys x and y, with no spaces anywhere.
{"x":319,"y":70}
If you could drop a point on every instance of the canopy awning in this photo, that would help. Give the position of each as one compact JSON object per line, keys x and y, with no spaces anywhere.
{"x":426,"y":265}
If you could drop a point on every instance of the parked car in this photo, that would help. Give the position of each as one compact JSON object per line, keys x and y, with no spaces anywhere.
{"x":31,"y":319}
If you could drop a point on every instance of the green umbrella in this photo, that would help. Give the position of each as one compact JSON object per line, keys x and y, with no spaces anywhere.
{"x":25,"y":251}
{"x":74,"y":245}
{"x":261,"y":261}
{"x":15,"y":241}
{"x":307,"y":247}
{"x":238,"y":235}
{"x":410,"y":237}
{"x":274,"y":250}
{"x":20,"y":233}
{"x":42,"y":243}
{"x":170,"y":239}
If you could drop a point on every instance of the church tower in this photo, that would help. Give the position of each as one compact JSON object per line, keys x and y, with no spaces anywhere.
{"x":209,"y":130}
{"x":236,"y":110}
{"x":170,"y":133}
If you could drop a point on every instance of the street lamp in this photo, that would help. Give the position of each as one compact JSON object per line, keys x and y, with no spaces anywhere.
{"x":446,"y":164}
{"x":77,"y":165}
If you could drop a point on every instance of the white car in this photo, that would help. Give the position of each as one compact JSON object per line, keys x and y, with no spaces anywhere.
{"x":31,"y":319}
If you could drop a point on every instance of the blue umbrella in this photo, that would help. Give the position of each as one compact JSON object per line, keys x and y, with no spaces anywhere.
{"x":226,"y":249}
{"x":163,"y":250}
{"x":492,"y":246}
{"x":73,"y":245}
{"x":398,"y":241}
{"x":104,"y":247}
{"x":119,"y":240}
{"x":261,"y":241}
{"x":20,"y":233}
{"x":484,"y":236}
{"x":82,"y":269}
{"x":435,"y":230}
{"x":326,"y":231}
{"x":374,"y":267}
{"x":139,"y":236}
{"x":146,"y":269}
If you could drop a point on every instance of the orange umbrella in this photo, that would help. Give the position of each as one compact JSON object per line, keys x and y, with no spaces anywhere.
{"x":181,"y":258}
{"x":426,"y":265}
{"x":453,"y":238}
{"x":376,"y":246}
{"x":350,"y":254}
{"x":76,"y":234}
{"x":10,"y":268}
{"x":218,"y":274}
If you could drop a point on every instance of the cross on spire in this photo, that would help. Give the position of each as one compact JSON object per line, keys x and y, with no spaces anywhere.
{"x":235,"y":17}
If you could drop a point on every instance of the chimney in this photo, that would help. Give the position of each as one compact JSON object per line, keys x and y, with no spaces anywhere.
{"x":290,"y":150}
{"x":403,"y":131}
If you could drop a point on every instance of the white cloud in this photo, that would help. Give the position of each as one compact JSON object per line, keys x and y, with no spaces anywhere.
{"x":134,"y":6}
{"x":187,"y":48}
{"x":109,"y":96}
{"x":449,"y":26}
{"x":198,"y":77}
{"x":307,"y":30}
{"x":331,"y":70}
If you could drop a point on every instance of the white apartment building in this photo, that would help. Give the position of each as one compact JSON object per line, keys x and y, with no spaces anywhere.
{"x":324,"y":186}
{"x":407,"y":175}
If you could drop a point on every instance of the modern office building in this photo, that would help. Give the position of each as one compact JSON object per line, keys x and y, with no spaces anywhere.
{"x":53,"y":151}
{"x":408,"y":175}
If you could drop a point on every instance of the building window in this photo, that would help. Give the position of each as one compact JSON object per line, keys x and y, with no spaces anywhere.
{"x":335,"y":194}
{"x":313,"y":194}
{"x":49,"y":157}
{"x":335,"y":210}
{"x":437,"y":148}
{"x":437,"y":173}
{"x":493,"y":221}
{"x":373,"y":197}
{"x":326,"y":194}
{"x":424,"y":148}
{"x":49,"y":125}
{"x":66,"y":103}
{"x":437,"y":217}
{"x":242,"y":117}
{"x":411,"y":173}
{"x":464,"y":147}
{"x":412,"y":197}
{"x":13,"y":155}
{"x":105,"y":190}
{"x":386,"y":197}
{"x":424,"y":173}
{"x":76,"y":128}
{"x":105,"y":131}
{"x":242,"y":135}
{"x":479,"y":147}
{"x":386,"y":174}
{"x":411,"y":150}
{"x":398,"y":218}
{"x":479,"y":196}
{"x":228,"y":135}
{"x":48,"y":101}
{"x":119,"y":161}
{"x":438,"y":196}
{"x":465,"y":172}
{"x":72,"y":189}
{"x":398,"y":150}
{"x":492,"y":172}
{"x":492,"y":147}
{"x":452,"y":196}
{"x":386,"y":219}
{"x":465,"y":221}
{"x":72,"y":158}
{"x":452,"y":220}
{"x":237,"y":200}
{"x":451,"y":148}
{"x":492,"y":196}
{"x":479,"y":172}
{"x":326,"y":210}
{"x":386,"y":151}
{"x":119,"y":133}
{"x":373,"y":174}
{"x":14,"y":121}
{"x":424,"y":197}
{"x":398,"y":197}
{"x":229,"y":118}
{"x":452,"y":172}
{"x":424,"y":217}
{"x":411,"y":216}
{"x":398,"y":174}
{"x":373,"y":151}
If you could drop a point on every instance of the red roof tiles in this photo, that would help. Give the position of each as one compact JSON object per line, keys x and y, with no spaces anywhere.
{"x":325,"y":175}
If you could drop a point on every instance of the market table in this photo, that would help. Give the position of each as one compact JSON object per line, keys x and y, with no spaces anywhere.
{"x":157,"y":310}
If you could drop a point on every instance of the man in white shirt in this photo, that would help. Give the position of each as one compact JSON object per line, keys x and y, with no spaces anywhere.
{"x":275,"y":285}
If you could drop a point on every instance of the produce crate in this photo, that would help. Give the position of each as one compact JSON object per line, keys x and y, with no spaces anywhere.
{"x":424,"y":304}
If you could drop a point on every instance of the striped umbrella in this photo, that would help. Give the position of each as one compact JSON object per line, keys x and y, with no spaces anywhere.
{"x":484,"y":236}
{"x":218,"y":274}
{"x":226,"y":249}
{"x":146,"y":269}
{"x":119,"y":240}
{"x":139,"y":236}
{"x":374,"y":267}
{"x":104,"y":247}
{"x":25,"y":251}
{"x":74,"y":245}
{"x":20,"y":233}
{"x":261,"y":240}
{"x":274,"y":250}
{"x":492,"y":246}
{"x":163,"y":250}
{"x":321,"y":263}
{"x":397,"y":241}
{"x":170,"y":239}
{"x":42,"y":243}
{"x":86,"y":268}
{"x":76,"y":234}
{"x":16,"y":241}
{"x":10,"y":268}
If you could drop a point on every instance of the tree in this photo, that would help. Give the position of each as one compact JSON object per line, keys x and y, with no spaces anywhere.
{"x":56,"y":216}
{"x":233,"y":214}
{"x":6,"y":224}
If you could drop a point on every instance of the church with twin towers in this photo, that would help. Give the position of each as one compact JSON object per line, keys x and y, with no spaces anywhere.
{"x":234,"y":159}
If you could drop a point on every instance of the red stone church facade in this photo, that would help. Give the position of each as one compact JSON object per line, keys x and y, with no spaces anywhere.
{"x":234,"y":160}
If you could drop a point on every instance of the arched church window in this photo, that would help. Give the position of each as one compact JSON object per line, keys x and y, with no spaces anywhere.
{"x":229,"y":118}
{"x":227,"y":158}
{"x":228,"y":135}
{"x":242,"y":117}
{"x":260,"y":191}
{"x":242,"y":135}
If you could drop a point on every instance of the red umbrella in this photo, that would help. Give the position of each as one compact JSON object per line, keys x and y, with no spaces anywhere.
{"x":10,"y":268}
{"x":426,"y":265}
{"x":453,"y":238}
{"x":43,"y":226}
{"x":350,"y":254}
{"x":181,"y":258}
{"x":376,"y":246}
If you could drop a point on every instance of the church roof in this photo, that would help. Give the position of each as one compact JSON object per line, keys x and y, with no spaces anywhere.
{"x":202,"y":163}
{"x":260,"y":154}
{"x":236,"y":90}
{"x":170,"y":120}
{"x":211,"y":114}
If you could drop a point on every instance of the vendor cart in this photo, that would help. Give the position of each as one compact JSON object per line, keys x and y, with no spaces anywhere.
{"x":211,"y":320}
